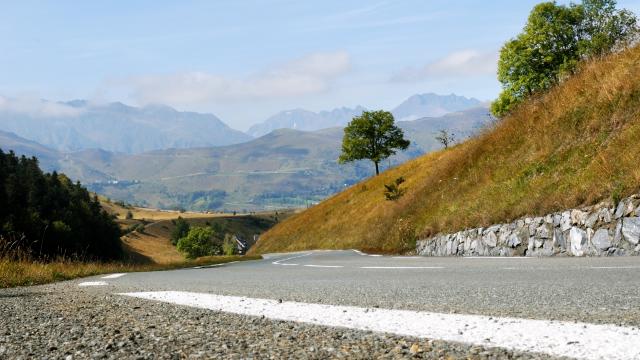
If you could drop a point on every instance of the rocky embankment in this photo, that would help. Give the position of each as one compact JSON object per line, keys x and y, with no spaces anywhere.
{"x":599,"y":230}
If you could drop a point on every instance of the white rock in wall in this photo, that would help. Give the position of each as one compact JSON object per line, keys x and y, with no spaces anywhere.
{"x":578,"y":217}
{"x":566,"y":221}
{"x":578,"y":241}
{"x":631,"y":229}
{"x":490,"y":239}
{"x":601,"y":240}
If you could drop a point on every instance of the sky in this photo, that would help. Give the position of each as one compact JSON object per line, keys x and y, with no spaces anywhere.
{"x":246,"y":60}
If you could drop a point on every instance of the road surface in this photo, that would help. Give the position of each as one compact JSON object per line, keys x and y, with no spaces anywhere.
{"x":338,"y":304}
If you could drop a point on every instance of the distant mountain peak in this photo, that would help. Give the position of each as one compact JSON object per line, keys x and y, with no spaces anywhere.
{"x":432,"y":105}
{"x":305,"y":120}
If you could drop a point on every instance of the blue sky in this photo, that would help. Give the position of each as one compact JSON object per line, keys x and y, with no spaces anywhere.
{"x":245,"y":60}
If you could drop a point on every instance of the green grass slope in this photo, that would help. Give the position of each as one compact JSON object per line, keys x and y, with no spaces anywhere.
{"x":575,"y":145}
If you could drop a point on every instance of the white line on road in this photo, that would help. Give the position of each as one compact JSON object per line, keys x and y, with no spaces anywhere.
{"x":93,"y":283}
{"x":113,"y":276}
{"x":402,"y":267}
{"x":576,"y":340}
{"x":408,"y":257}
{"x":324,"y":266}
{"x":615,"y":267}
{"x":280,"y":262}
{"x":375,"y":255}
{"x":359,"y":252}
{"x":213,"y":265}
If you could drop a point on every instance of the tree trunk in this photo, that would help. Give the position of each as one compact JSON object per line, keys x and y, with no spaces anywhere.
{"x":377,"y":170}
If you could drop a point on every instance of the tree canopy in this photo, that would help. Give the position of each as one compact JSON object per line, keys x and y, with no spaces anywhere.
{"x":554,"y":40}
{"x":45,"y":216}
{"x":198,"y":242}
{"x":373,"y":136}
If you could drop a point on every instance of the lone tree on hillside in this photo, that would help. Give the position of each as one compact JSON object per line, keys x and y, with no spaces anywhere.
{"x":372,"y":135}
{"x":554,"y":40}
{"x":445,"y":138}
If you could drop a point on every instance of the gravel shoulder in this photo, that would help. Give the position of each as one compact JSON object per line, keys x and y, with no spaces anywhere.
{"x":62,"y":321}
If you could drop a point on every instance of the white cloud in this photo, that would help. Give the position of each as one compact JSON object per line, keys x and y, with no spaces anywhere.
{"x":35,"y":107}
{"x":307,"y":75}
{"x":456,"y":64}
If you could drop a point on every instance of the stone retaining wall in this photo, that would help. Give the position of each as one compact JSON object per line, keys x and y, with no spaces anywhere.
{"x":600,"y":230}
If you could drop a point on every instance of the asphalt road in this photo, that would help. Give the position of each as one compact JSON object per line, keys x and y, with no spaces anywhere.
{"x":562,"y":290}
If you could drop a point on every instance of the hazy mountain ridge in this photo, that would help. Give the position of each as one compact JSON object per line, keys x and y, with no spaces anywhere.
{"x":120,"y":128}
{"x":281,"y":169}
{"x":432,"y":105}
{"x":305,"y":120}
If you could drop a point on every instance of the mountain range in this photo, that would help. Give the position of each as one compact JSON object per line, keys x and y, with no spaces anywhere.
{"x":285,"y":168}
{"x":118,"y":127}
{"x":432,"y":105}
{"x":305,"y":120}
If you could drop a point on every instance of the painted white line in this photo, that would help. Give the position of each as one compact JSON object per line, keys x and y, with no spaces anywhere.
{"x":575,"y":340}
{"x":402,"y":267}
{"x":113,"y":276}
{"x":375,"y":255}
{"x":280,"y":262}
{"x":408,"y":257}
{"x":615,"y":267}
{"x":93,"y":283}
{"x":359,"y":252}
{"x":324,"y":266}
{"x":213,"y":265}
{"x":499,"y":257}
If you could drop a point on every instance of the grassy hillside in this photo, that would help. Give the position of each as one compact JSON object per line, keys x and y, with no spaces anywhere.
{"x":577,"y":144}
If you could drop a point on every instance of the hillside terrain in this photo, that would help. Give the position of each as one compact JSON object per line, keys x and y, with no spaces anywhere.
{"x":574,"y":145}
{"x":79,"y":125}
{"x":286,"y":168}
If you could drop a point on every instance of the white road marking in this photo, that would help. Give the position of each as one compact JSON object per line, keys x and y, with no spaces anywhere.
{"x":324,"y":266}
{"x":408,"y":257}
{"x":113,"y":276}
{"x":359,"y":252}
{"x":375,"y":255}
{"x":575,"y":340}
{"x":402,"y":267}
{"x":615,"y":267}
{"x":93,"y":283}
{"x":213,"y":265}
{"x":280,"y":262}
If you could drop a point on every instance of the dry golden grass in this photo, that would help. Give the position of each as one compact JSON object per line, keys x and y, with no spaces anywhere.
{"x":154,"y":214}
{"x":575,"y":145}
{"x":21,"y":273}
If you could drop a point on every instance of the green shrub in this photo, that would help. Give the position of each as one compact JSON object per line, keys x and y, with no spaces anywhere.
{"x":198,"y":242}
{"x":393,"y":191}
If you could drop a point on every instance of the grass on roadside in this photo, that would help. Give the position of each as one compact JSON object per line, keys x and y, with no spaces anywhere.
{"x":23,"y":273}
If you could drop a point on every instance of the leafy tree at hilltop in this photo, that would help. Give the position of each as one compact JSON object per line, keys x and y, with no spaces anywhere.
{"x":44,"y":216}
{"x":554,"y":40}
{"x":373,"y":136}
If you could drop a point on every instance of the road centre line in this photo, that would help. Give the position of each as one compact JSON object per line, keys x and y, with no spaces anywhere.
{"x":324,"y":266}
{"x":113,"y":276}
{"x":556,"y":338}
